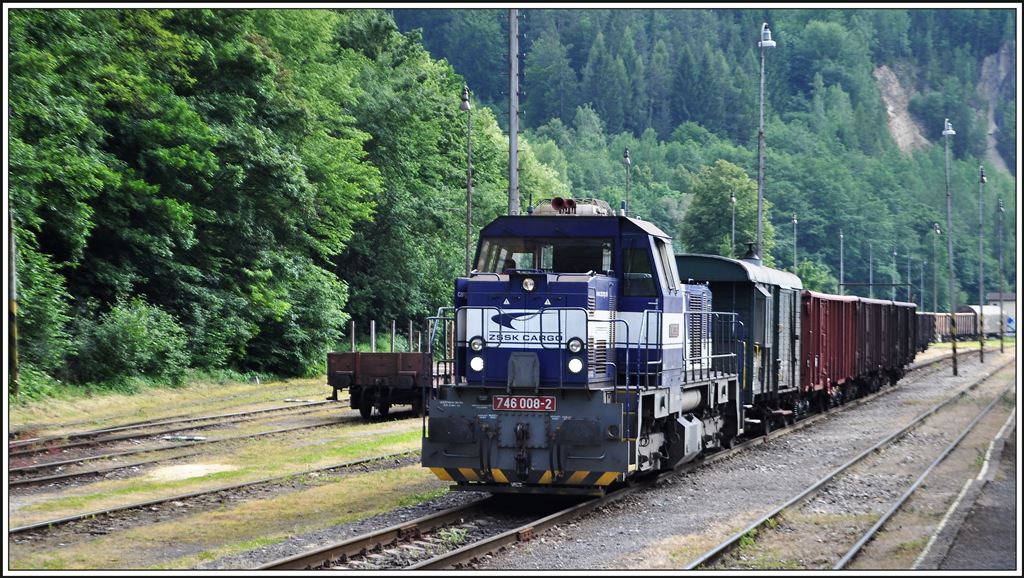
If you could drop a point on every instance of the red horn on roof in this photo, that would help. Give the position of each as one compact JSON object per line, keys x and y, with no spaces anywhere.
{"x":558,"y":204}
{"x":570,"y":206}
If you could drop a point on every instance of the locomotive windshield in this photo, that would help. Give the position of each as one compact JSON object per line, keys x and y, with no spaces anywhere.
{"x":555,"y":255}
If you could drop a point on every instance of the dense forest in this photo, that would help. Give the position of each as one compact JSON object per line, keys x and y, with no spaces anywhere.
{"x":679,"y":89}
{"x":207,"y":190}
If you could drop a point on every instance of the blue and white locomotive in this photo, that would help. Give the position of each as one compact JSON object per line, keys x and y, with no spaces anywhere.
{"x":580,"y":359}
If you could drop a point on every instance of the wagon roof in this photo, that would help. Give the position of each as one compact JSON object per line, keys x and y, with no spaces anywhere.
{"x":830,"y":296}
{"x":718,"y":268}
{"x":888,"y":302}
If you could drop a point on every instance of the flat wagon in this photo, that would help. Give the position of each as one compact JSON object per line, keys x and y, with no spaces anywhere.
{"x":380,"y":380}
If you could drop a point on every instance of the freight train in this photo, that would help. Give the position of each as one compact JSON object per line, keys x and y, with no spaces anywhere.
{"x":582,"y":359}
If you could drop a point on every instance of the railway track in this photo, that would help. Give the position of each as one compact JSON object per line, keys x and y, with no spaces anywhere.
{"x":172,"y":420}
{"x":54,"y":476}
{"x":106,"y":513}
{"x":437,"y":541}
{"x":716,"y":556}
{"x":97,"y":440}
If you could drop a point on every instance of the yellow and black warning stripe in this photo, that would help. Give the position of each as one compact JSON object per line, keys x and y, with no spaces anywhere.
{"x":541,"y":477}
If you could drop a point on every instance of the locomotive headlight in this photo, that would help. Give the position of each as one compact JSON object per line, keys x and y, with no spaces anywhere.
{"x":476,"y":344}
{"x":529,"y":284}
{"x":575,"y":345}
{"x":477,"y":363}
{"x":575,"y":365}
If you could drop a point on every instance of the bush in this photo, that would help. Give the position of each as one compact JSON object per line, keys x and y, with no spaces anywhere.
{"x":131,"y":340}
{"x":43,"y":312}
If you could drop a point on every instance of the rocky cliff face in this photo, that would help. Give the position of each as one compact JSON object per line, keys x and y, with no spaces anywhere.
{"x":905,"y":131}
{"x":997,"y":80}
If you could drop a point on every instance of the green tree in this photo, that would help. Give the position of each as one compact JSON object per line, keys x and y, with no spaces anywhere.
{"x":817,"y":277}
{"x":552,"y":81}
{"x":706,"y":227}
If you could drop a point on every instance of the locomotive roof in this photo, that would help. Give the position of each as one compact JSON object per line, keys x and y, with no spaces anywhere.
{"x":568,"y":225}
{"x":718,"y":268}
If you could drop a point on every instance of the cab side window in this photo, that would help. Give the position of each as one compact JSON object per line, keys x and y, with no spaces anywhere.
{"x":666,"y":265}
{"x":637,"y":278}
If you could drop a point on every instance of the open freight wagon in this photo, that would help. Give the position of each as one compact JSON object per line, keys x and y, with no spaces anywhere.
{"x":379,"y":380}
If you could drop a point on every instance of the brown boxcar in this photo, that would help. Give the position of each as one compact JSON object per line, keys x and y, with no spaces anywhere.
{"x":965,"y":326}
{"x":829,"y":340}
{"x":925,"y":330}
{"x":380,"y":380}
{"x":886,"y":340}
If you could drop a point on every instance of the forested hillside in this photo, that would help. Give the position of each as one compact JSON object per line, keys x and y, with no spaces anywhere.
{"x":679,"y":89}
{"x":224,"y":189}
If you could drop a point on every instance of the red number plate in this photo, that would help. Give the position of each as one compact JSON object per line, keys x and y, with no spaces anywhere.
{"x":523,"y":403}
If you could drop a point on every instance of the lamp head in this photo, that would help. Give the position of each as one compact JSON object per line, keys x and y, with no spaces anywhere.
{"x":766,"y":37}
{"x":948,"y":129}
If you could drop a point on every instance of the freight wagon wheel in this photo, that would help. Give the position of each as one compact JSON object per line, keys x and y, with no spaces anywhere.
{"x":365,"y":406}
{"x":383,"y":408}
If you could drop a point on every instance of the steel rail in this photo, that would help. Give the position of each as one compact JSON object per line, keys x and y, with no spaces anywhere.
{"x":87,"y":442}
{"x":96,"y":471}
{"x":361,"y":544}
{"x":38,"y":466}
{"x":179,"y":497}
{"x":873,"y":530}
{"x":726,"y":546}
{"x":183,"y":418}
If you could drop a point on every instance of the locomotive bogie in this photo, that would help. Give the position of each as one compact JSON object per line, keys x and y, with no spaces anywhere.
{"x":581,"y":443}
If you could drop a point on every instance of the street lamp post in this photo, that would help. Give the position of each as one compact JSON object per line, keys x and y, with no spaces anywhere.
{"x":468,"y":108}
{"x":794,"y":242}
{"x":999,"y":240}
{"x":892,"y":293}
{"x":910,"y":281}
{"x":923,"y":263}
{"x":981,"y":266}
{"x":628,"y":164}
{"x":732,"y":245}
{"x":948,"y":131}
{"x":871,"y":270}
{"x":765,"y":42}
{"x":842,"y":271}
{"x":935,"y":270}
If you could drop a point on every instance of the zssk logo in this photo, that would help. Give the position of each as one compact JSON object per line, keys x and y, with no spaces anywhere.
{"x":506,"y":319}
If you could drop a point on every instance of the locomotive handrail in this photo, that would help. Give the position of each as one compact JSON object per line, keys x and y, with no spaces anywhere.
{"x":561,"y":334}
{"x":432,"y":325}
{"x":589,"y":273}
{"x":474,"y":273}
{"x":645,"y":331}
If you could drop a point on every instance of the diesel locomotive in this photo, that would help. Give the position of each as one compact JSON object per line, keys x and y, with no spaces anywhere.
{"x":581,"y":360}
